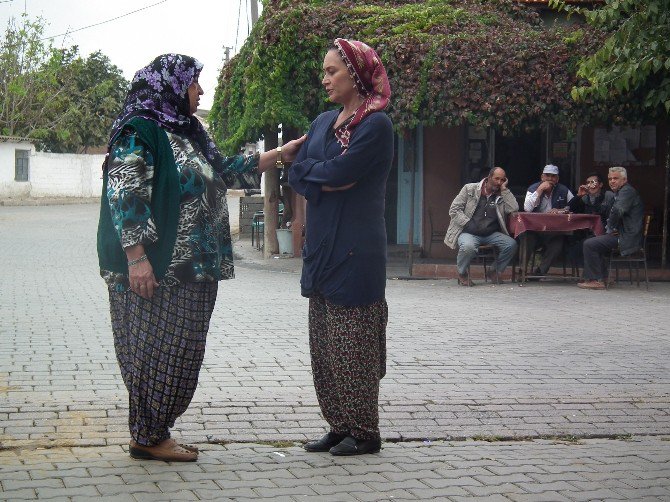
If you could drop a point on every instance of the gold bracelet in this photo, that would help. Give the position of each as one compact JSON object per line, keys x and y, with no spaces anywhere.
{"x":279,"y":163}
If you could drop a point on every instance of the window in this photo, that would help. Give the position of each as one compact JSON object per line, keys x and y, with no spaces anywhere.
{"x":22,"y":165}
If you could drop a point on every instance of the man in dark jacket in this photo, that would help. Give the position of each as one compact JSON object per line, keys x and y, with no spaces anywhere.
{"x":546,"y":196}
{"x":592,"y":199}
{"x":623,"y":230}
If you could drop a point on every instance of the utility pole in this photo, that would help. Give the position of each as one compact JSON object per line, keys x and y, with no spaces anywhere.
{"x":254,"y":11}
{"x":226,"y":58}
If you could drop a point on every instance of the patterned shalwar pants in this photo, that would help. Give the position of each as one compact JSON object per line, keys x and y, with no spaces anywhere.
{"x":348,"y":349}
{"x":160,"y":345}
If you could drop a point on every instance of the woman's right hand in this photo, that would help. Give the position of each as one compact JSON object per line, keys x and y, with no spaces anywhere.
{"x":140,"y":274}
{"x":142,"y":280}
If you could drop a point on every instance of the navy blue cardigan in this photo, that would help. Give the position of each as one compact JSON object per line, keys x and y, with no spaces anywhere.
{"x":344,"y":256}
{"x":559,"y":196}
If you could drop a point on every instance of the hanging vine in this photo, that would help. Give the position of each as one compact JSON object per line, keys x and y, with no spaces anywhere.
{"x":488,"y":63}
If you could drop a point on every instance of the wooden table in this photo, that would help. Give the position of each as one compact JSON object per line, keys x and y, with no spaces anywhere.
{"x":520,"y":223}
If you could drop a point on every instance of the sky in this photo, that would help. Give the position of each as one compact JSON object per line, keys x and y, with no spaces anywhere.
{"x":198,"y":28}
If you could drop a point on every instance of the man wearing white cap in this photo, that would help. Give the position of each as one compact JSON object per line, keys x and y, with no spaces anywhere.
{"x":547,"y":196}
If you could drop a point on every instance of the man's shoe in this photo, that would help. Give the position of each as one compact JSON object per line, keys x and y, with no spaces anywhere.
{"x":325,"y":443}
{"x":591,"y":285}
{"x":464,"y":280}
{"x":353,"y":446}
{"x":167,"y":451}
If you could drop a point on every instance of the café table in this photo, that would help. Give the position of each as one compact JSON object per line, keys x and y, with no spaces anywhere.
{"x":520,"y":223}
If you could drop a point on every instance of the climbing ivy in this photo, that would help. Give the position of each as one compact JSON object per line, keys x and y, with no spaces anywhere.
{"x":484,"y":62}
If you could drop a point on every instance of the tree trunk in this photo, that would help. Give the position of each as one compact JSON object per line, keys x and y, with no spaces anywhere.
{"x":271,"y":200}
{"x":664,"y":241}
{"x":294,"y":203}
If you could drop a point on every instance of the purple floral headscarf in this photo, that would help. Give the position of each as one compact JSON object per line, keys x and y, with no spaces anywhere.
{"x":159,"y":92}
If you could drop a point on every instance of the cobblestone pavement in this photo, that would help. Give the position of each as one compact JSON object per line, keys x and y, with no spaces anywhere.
{"x":545,"y":392}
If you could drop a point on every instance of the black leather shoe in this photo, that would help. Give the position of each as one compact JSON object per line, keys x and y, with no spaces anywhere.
{"x":353,"y":446}
{"x":325,"y":443}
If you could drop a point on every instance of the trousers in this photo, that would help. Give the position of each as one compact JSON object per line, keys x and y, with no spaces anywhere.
{"x":596,"y":250}
{"x":468,"y":246}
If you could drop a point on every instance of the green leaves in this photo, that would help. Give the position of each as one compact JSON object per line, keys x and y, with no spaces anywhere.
{"x":491,"y":63}
{"x":62,"y":101}
{"x":634,"y":59}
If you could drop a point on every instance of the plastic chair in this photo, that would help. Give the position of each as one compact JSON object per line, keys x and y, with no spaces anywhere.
{"x":639,"y":256}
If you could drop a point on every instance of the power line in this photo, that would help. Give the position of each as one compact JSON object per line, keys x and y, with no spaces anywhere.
{"x":246,"y":6}
{"x":237,"y":31}
{"x":105,"y":22}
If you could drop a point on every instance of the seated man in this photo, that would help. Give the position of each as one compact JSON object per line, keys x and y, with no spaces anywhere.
{"x":479,"y":217}
{"x":623,"y":230}
{"x":546,"y":196}
{"x":592,"y":199}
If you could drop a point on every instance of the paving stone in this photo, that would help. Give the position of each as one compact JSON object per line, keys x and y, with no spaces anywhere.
{"x":176,"y":495}
{"x":64,"y":493}
{"x":351,"y":488}
{"x":122,"y":488}
{"x":438,"y":493}
{"x":65,"y":412}
{"x":596,"y":494}
{"x":22,"y":494}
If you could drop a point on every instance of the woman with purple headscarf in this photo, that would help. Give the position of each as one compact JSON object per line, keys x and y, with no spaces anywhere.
{"x":342,"y":170}
{"x":164,"y":243}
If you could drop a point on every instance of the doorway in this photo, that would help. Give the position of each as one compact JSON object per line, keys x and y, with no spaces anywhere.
{"x":522,"y":159}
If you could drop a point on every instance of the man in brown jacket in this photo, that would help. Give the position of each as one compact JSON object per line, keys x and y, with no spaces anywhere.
{"x":479,"y":217}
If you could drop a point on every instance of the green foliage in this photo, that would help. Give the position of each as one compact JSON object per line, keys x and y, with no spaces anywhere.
{"x":64,"y":102}
{"x":635,"y":56}
{"x":97,"y":90}
{"x":486,"y":62}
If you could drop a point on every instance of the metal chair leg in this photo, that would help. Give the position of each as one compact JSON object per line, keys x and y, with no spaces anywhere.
{"x":646,"y":276}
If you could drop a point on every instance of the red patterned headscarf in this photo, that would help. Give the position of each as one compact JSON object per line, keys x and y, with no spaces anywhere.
{"x":370,"y":79}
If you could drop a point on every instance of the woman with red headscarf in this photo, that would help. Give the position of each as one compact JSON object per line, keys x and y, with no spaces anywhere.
{"x":341,"y":170}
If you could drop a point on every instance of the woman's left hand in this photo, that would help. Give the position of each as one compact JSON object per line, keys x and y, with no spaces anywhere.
{"x":269,"y":159}
{"x":290,"y":149}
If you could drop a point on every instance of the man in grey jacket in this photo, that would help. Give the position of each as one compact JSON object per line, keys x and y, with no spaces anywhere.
{"x":479,"y":217}
{"x":623,"y":230}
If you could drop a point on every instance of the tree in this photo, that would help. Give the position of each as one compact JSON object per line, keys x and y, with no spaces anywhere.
{"x":63,"y":102}
{"x":635,"y":56}
{"x":28,"y":81}
{"x":487,"y":63}
{"x":96,"y":90}
{"x":634,"y":59}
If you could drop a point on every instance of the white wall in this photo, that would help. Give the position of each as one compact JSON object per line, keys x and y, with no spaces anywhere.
{"x":51,"y":174}
{"x":9,"y":187}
